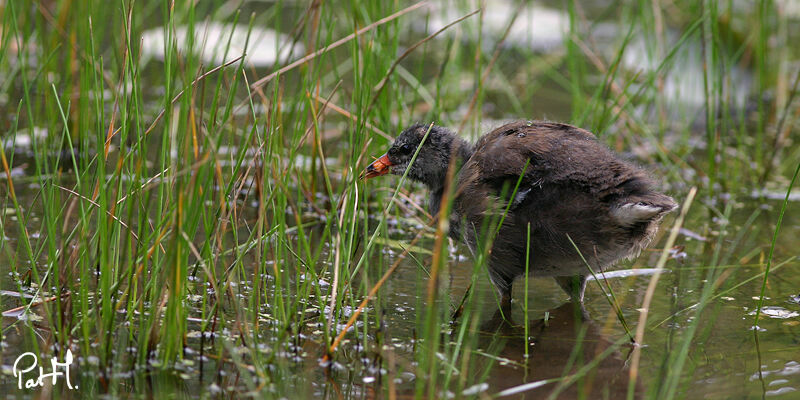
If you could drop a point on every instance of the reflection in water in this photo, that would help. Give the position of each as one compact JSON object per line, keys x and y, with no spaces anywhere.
{"x":567,"y":357}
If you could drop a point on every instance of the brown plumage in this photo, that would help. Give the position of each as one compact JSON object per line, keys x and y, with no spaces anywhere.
{"x":568,"y":186}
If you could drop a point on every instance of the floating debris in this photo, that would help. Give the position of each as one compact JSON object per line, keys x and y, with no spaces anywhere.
{"x":536,"y":27}
{"x":777,"y":312}
{"x":24,"y":138}
{"x":775,"y":195}
{"x":265,"y":47}
{"x":789,"y":8}
{"x":683,"y":75}
{"x":624,"y":273}
{"x":780,"y":391}
{"x":475,"y":389}
{"x":692,"y":235}
{"x":787,"y":369}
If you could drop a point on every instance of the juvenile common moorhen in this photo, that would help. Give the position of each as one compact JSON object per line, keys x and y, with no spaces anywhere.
{"x":555,"y":179}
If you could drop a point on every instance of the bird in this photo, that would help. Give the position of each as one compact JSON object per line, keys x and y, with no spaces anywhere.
{"x":547,"y":196}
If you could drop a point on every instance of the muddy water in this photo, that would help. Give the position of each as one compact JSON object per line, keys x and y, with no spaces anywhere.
{"x":724,"y":359}
{"x":727,"y":356}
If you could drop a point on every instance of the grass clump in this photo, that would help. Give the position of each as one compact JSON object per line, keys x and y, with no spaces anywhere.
{"x":180,"y":220}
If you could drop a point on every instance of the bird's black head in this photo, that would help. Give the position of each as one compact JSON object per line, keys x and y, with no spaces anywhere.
{"x":435,"y":150}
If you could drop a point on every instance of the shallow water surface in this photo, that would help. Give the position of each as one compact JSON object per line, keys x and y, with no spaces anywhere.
{"x":278,"y":257}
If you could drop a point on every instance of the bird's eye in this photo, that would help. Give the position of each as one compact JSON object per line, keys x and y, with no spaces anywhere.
{"x":407,"y":148}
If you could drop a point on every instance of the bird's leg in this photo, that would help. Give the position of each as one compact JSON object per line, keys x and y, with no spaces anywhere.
{"x":460,"y":309}
{"x":575,"y":286}
{"x":503,"y":286}
{"x":505,"y":301}
{"x":505,"y":304}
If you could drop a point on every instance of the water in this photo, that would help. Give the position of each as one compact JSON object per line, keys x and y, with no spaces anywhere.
{"x":709,"y":292}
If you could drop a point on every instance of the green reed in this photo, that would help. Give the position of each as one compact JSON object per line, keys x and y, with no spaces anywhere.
{"x":173,"y":210}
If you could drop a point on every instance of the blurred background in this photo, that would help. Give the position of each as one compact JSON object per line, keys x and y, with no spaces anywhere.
{"x":180,"y":203}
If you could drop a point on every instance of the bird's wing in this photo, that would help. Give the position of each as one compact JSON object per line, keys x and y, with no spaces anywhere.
{"x":531,"y":155}
{"x":514,"y":156}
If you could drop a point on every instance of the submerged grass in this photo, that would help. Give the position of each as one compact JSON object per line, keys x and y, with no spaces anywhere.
{"x":196,"y":220}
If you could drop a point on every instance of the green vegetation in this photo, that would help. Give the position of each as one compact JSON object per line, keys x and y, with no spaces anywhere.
{"x":188,"y":228}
